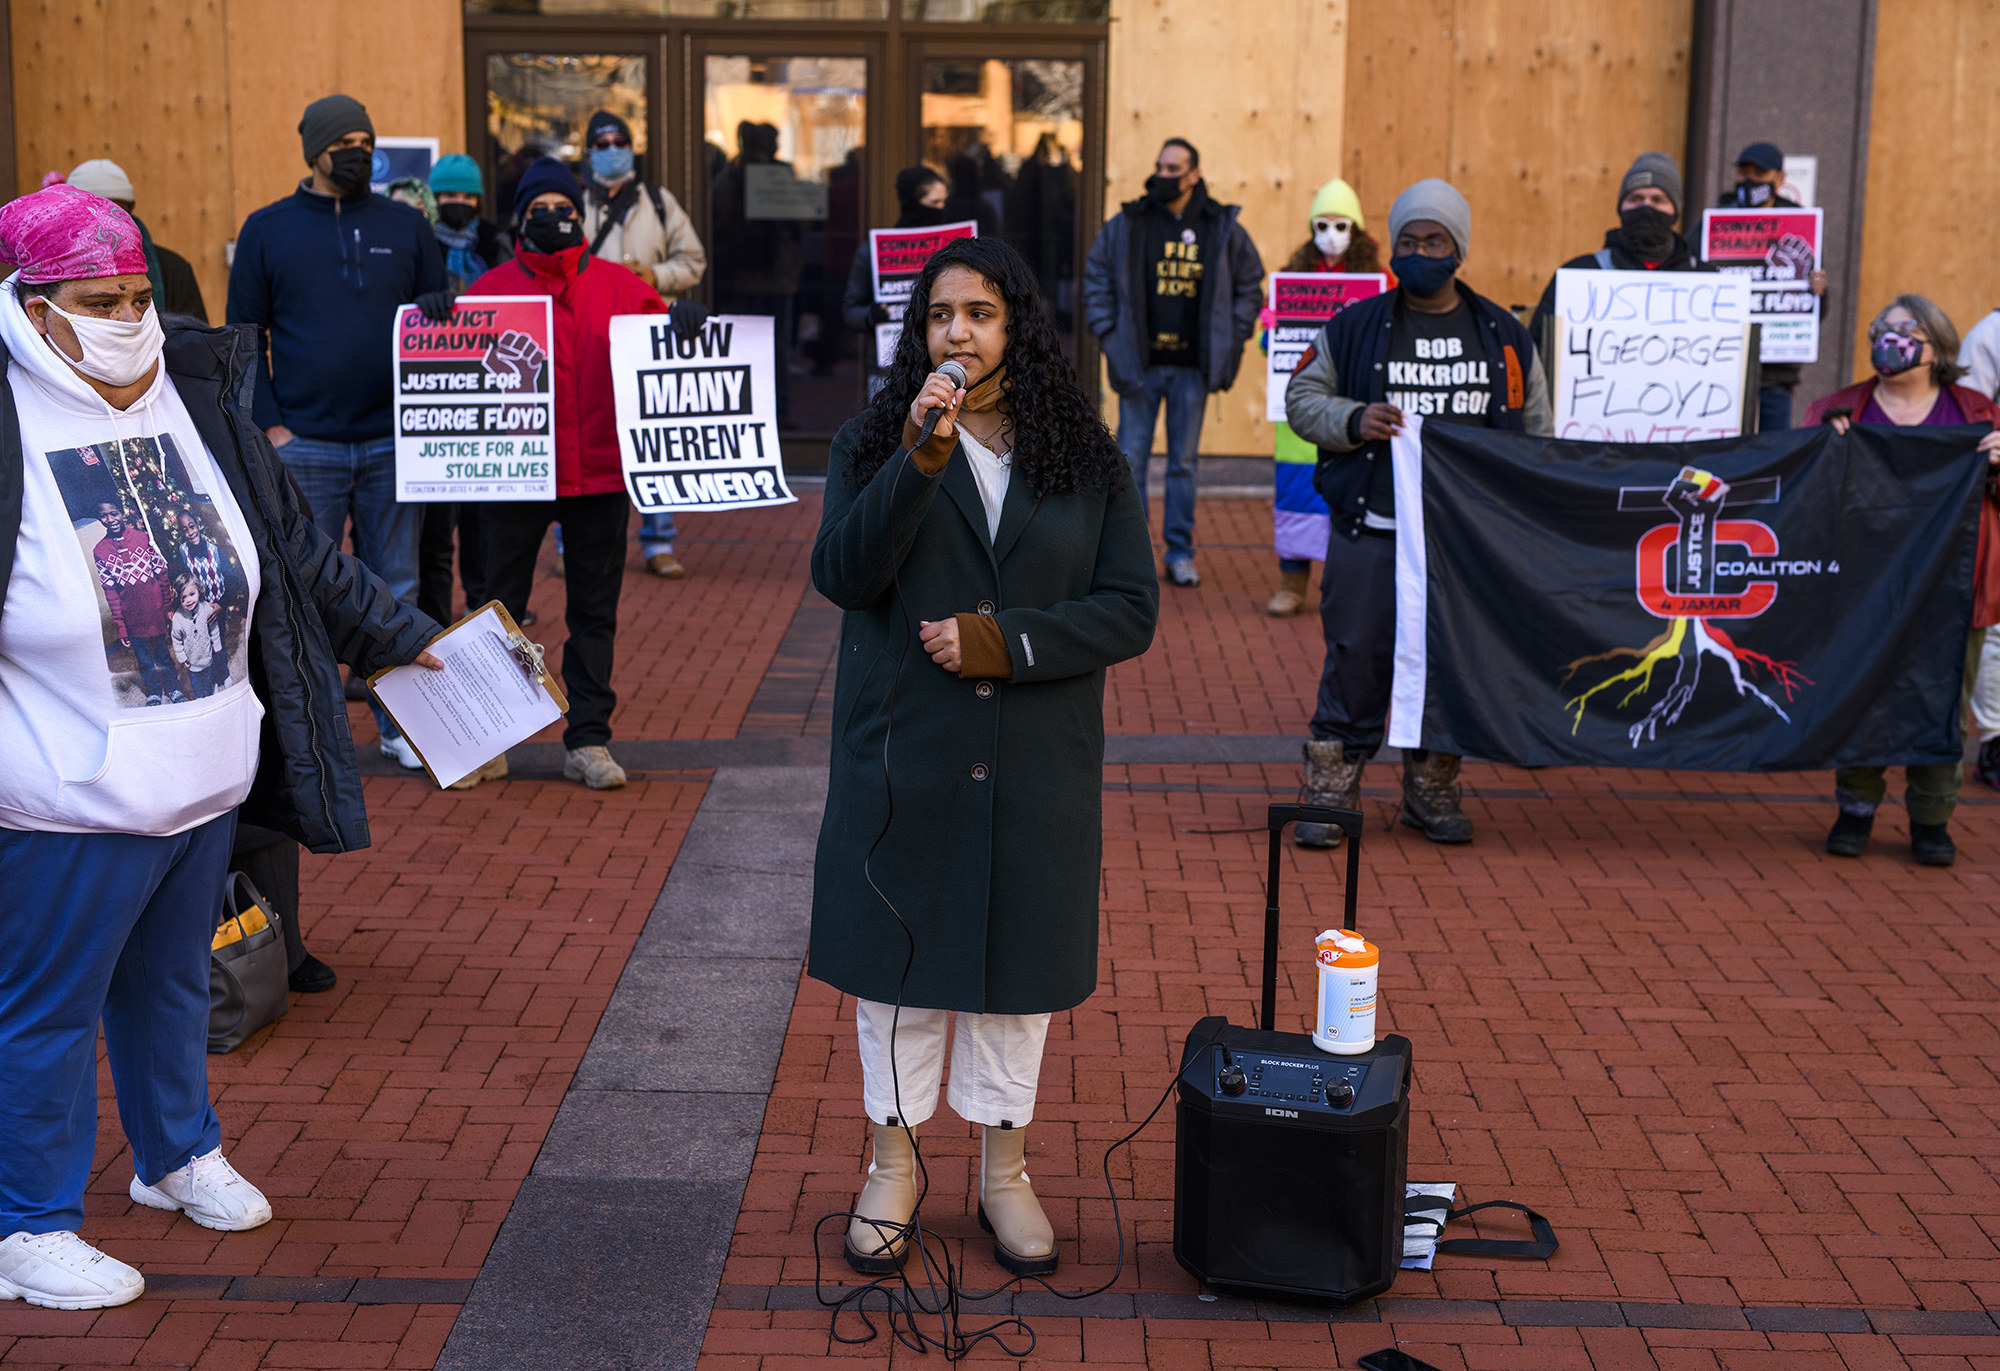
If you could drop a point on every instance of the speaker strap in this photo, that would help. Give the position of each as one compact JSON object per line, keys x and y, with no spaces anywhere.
{"x":1423,"y":1207}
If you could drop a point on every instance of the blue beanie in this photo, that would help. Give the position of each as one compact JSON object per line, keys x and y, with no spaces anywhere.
{"x":457,"y":174}
{"x":543,"y":175}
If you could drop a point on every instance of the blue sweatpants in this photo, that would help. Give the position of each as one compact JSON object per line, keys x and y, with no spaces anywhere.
{"x":117,"y":927}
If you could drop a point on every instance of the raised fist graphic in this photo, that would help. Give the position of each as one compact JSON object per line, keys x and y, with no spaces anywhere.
{"x":518,"y":363}
{"x":1789,"y":259}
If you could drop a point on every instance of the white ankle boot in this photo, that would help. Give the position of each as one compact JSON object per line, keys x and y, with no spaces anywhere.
{"x":1023,"y":1240}
{"x":878,"y":1242}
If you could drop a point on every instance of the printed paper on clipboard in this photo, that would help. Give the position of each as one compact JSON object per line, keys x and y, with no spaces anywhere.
{"x":493,"y":693}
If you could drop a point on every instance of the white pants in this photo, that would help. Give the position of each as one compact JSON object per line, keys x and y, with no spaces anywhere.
{"x":996,"y":1063}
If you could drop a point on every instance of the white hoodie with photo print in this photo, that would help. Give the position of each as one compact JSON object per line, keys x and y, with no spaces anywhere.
{"x":99,"y":729}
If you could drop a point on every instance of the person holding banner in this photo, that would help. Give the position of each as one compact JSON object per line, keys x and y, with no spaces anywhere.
{"x":552,"y":258}
{"x":1915,"y":351}
{"x":958,"y":863}
{"x":1338,"y":241}
{"x":1431,"y":347}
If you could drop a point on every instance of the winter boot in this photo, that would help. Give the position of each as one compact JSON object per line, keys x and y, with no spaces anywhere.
{"x":1931,"y":845}
{"x":1333,"y":779}
{"x":880,"y":1242}
{"x":1023,"y":1241}
{"x":1291,"y":596}
{"x":1430,"y":797}
{"x":1849,"y":836}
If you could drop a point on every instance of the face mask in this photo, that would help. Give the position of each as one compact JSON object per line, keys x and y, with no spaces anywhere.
{"x":349,"y":173}
{"x":1893,"y":354}
{"x":456,"y":215}
{"x":550,"y":233}
{"x":1648,"y":231}
{"x":1421,"y":275}
{"x":1754,"y":193}
{"x":1164,"y":190}
{"x":114,"y":351}
{"x":1331,"y":238}
{"x":610,"y":164}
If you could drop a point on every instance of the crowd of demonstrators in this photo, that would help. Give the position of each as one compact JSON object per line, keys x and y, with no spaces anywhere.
{"x":1914,"y":349}
{"x":1171,"y":290}
{"x":1761,"y":184}
{"x":1432,"y":347}
{"x":125,"y":874}
{"x":321,"y":275}
{"x":175,"y":288}
{"x":1337,"y":241}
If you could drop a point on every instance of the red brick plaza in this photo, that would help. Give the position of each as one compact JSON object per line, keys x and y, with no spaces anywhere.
{"x":1753,"y":1087}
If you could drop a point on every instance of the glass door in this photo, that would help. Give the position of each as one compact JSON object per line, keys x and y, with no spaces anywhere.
{"x":538,"y":102}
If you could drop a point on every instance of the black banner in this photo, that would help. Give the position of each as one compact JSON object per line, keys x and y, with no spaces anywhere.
{"x":1789,"y":601}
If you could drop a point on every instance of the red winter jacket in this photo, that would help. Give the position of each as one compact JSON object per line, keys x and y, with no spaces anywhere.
{"x":1977,"y":409}
{"x":586,"y":293}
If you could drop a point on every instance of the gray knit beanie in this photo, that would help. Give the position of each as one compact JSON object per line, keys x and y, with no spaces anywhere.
{"x":1653,"y":169}
{"x":329,"y":119}
{"x":1439,"y":202}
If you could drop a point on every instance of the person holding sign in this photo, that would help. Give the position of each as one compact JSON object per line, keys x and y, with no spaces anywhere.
{"x":1760,"y":184}
{"x":920,"y":197}
{"x":1649,"y":205}
{"x":959,"y":858}
{"x":1915,"y":351}
{"x":1431,"y":347}
{"x":553,"y":258}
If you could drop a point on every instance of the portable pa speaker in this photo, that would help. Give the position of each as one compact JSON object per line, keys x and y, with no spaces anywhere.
{"x":1289,"y":1162}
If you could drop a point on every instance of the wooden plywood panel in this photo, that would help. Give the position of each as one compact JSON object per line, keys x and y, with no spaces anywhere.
{"x":143,"y":84}
{"x":1260,"y":89}
{"x":1926,"y":228}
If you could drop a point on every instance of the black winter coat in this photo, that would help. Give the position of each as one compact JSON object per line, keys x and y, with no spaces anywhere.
{"x":318,"y":606}
{"x":993,"y":853}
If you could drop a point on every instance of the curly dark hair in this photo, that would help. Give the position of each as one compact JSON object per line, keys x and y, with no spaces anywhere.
{"x":1060,"y":443}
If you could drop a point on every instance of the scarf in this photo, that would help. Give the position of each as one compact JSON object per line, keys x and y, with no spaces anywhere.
{"x":461,"y":256}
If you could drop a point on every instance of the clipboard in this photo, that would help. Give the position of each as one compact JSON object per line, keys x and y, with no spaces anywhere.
{"x":528,"y":655}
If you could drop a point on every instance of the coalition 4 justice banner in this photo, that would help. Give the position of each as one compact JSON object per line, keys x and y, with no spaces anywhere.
{"x":1300,"y":303}
{"x":1777,"y":250}
{"x":475,"y":403}
{"x":1789,"y":601}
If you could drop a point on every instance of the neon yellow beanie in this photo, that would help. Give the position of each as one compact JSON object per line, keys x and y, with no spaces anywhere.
{"x":1336,"y":197}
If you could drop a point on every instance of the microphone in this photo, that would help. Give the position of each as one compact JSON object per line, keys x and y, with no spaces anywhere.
{"x":954,"y":373}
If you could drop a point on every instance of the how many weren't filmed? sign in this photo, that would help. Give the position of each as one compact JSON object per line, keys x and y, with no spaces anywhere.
{"x":697,"y":417}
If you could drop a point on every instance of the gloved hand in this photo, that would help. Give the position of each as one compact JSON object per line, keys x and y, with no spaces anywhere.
{"x":436,"y":305}
{"x":687,"y":317}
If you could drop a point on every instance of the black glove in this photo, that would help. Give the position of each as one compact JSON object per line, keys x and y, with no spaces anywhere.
{"x":436,"y":305}
{"x":687,"y":317}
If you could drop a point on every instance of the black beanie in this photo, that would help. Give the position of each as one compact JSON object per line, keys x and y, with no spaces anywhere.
{"x":328,"y":120}
{"x":602,"y":120}
{"x":910,"y":184}
{"x":543,"y":175}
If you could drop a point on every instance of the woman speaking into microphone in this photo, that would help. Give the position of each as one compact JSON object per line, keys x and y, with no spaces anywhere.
{"x":990,"y":575}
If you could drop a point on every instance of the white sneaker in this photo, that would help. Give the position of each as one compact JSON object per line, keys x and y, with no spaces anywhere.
{"x":593,"y":766}
{"x":209,"y":1191}
{"x":399,"y":751}
{"x":62,"y":1271}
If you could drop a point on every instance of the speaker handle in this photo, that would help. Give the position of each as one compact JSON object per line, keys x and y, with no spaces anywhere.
{"x":1349,"y":822}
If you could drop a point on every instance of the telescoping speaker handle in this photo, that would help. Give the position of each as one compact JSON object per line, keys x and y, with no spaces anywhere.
{"x":1351,"y":823}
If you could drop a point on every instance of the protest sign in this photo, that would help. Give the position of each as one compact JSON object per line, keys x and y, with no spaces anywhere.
{"x":475,"y":404}
{"x":896,"y":257}
{"x":697,"y":417}
{"x":1300,"y":302}
{"x":1776,"y":250}
{"x":1650,"y":357}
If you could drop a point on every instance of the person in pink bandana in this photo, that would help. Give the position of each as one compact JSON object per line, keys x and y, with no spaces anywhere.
{"x":121,"y":444}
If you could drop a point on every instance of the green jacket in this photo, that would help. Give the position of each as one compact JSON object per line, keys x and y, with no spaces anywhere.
{"x":993,"y":856}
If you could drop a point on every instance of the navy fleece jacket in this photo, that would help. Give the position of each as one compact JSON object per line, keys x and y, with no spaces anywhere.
{"x":322,"y":278}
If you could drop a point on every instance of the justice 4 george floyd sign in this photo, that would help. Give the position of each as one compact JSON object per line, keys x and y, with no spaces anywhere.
{"x":475,"y":409}
{"x":1300,"y":302}
{"x":1791,"y":601}
{"x":697,"y":417}
{"x":1650,"y":357}
{"x":1776,"y":251}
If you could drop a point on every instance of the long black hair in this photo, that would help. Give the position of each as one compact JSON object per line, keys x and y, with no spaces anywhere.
{"x":1060,"y":443}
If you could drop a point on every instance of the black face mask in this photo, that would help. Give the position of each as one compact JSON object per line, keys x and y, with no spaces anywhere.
{"x":549,"y":233}
{"x":1164,"y":190}
{"x":349,"y":172}
{"x":457,"y":214}
{"x":923,"y":216}
{"x":1648,"y":231}
{"x":1755,"y":193}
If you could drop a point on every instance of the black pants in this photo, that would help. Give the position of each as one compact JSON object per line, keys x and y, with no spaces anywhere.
{"x":472,"y":556}
{"x":594,"y":573}
{"x":1357,"y":613}
{"x":271,"y":860}
{"x":434,"y":549}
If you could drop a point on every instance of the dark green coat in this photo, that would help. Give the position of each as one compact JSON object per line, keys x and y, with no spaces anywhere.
{"x":994,"y":855}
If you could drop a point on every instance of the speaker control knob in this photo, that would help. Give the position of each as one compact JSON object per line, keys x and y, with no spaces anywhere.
{"x":1340,"y":1094}
{"x":1233,"y":1081}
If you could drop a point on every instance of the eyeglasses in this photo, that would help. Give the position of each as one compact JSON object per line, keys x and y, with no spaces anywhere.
{"x":611,"y":140}
{"x":1323,"y":225}
{"x":563,"y":211}
{"x":1437,"y":245}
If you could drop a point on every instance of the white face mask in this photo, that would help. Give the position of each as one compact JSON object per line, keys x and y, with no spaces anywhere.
{"x":114,"y":351}
{"x":1331,"y":236}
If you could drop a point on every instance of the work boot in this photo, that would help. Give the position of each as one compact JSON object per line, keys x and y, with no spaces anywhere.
{"x":666,"y":566}
{"x":1023,"y":1241}
{"x":1849,"y":836}
{"x":495,"y":770}
{"x":1332,"y":779}
{"x":1931,"y":845}
{"x":1430,"y":797}
{"x":594,"y":767}
{"x":878,"y":1238}
{"x":1291,"y":596}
